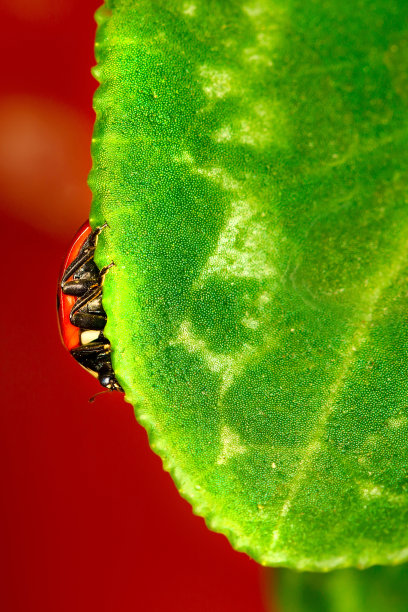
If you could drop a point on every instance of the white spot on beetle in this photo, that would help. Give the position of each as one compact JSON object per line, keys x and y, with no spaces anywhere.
{"x":89,"y":335}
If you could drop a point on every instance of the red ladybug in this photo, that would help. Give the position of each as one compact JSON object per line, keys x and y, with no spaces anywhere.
{"x":80,"y":312}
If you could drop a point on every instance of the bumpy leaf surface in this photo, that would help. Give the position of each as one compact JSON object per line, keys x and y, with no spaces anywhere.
{"x":250,"y":158}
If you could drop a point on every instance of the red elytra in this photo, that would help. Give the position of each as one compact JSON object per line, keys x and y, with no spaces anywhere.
{"x":70,"y":334}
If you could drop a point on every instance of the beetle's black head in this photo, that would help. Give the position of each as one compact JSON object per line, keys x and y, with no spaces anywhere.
{"x":108,"y":380}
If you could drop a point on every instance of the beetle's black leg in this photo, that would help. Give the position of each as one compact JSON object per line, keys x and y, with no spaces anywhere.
{"x":83,"y":280}
{"x":87,"y":352}
{"x":81,"y":259}
{"x":87,"y":312}
{"x":106,"y":268}
{"x":87,"y":320}
{"x":78,"y":288}
{"x":95,"y":293}
{"x":74,"y":266}
{"x":96,"y":356}
{"x":85,"y":254}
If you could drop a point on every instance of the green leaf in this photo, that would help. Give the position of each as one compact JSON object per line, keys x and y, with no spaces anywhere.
{"x":251,"y":161}
{"x":378,"y":589}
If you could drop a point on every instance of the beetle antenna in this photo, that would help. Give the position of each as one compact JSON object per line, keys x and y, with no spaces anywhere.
{"x":92,"y":399}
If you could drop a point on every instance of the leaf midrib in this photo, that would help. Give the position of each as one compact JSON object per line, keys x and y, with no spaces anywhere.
{"x":385,"y":277}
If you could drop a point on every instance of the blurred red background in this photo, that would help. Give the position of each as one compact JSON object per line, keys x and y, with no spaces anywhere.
{"x":89,"y":521}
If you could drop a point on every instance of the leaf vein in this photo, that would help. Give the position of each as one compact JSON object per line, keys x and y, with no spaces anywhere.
{"x":385,"y":277}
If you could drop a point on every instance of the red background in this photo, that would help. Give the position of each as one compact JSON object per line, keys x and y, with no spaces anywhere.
{"x":88,"y":519}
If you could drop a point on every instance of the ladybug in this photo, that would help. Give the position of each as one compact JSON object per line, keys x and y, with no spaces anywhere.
{"x":81,"y":316}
